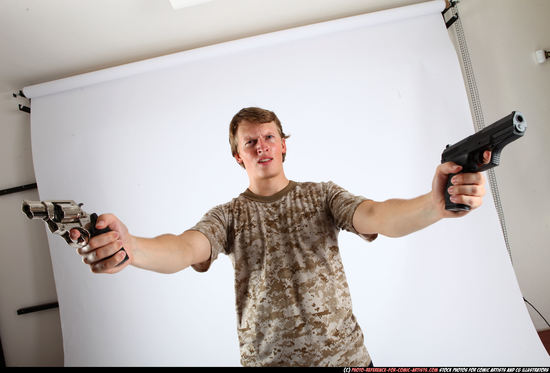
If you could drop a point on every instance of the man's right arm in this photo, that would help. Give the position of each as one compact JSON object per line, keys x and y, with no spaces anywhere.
{"x":167,"y":253}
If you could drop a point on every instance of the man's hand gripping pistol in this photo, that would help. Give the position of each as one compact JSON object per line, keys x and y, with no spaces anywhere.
{"x":62,"y":216}
{"x":468,"y":153}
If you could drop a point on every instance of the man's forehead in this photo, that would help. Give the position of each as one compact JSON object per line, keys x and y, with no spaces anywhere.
{"x":250,"y":129}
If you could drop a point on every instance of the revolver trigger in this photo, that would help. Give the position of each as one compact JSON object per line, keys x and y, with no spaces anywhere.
{"x":81,"y":241}
{"x":67,"y":237}
{"x":84,"y":237}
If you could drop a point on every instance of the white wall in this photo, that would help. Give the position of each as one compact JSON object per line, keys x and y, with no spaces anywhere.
{"x":502,"y":36}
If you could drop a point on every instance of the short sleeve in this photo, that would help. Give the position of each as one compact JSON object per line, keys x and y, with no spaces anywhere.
{"x":214,"y":226}
{"x":342,"y":205}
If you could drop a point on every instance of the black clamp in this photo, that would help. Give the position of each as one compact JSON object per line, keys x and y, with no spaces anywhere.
{"x":452,"y":4}
{"x":24,"y":108}
{"x":20,"y":93}
{"x":40,"y":307}
{"x":18,"y":189}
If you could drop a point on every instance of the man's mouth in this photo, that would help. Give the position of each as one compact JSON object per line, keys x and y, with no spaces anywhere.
{"x":265,"y":160}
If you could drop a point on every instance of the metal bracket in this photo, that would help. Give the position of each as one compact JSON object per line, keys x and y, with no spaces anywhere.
{"x":40,"y":307}
{"x":18,"y":189}
{"x":452,"y":4}
{"x":20,"y":93}
{"x":26,"y":109}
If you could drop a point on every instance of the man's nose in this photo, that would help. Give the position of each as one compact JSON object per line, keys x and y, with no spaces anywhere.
{"x":261,"y":146}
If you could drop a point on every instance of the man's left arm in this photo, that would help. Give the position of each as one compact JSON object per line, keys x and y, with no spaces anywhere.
{"x":399,"y":217}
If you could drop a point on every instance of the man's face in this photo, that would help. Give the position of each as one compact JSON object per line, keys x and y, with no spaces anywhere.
{"x":260,"y":149}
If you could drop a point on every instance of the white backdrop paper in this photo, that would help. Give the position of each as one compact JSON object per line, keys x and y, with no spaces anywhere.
{"x":370,"y":102}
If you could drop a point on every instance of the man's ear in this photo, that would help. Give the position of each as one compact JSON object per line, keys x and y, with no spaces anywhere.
{"x":239,"y":159}
{"x":283,"y":148}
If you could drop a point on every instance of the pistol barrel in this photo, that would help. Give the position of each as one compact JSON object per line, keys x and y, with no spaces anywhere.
{"x":469,"y":151}
{"x":519,"y":123}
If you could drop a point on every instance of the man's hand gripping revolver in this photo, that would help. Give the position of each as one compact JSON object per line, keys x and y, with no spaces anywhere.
{"x":67,"y":219}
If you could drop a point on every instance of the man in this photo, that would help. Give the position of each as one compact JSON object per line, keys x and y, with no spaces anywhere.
{"x":292,"y":298}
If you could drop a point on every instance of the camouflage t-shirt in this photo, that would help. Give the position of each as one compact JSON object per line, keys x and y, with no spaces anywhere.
{"x":292,"y":297}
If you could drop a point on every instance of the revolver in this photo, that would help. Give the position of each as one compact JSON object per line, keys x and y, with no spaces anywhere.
{"x":62,"y":216}
{"x":468,"y":153}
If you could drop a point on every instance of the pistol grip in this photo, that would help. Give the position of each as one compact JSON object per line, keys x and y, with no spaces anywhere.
{"x":95,"y":232}
{"x":450,"y":205}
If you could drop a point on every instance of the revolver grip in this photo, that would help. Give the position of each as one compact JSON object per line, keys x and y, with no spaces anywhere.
{"x":95,"y":232}
{"x":450,"y":205}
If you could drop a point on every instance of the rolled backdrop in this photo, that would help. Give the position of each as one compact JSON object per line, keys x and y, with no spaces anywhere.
{"x":370,"y":102}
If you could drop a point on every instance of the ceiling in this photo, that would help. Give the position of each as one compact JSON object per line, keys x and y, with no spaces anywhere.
{"x":43,"y":40}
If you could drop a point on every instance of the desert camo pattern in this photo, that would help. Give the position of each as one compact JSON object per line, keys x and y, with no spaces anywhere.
{"x":292,"y":297}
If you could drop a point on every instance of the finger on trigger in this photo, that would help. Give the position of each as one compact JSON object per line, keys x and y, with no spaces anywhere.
{"x":486,"y":156}
{"x":74,"y":234}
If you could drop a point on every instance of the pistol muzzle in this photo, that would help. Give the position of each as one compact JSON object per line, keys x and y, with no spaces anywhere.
{"x":519,"y":123}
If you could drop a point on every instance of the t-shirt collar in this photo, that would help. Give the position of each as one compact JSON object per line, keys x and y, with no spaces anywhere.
{"x":275,"y":197}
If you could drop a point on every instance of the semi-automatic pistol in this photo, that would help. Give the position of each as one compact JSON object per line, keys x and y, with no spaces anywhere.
{"x":468,"y":152}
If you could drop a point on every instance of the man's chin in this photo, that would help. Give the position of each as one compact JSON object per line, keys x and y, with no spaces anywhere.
{"x":265,"y":173}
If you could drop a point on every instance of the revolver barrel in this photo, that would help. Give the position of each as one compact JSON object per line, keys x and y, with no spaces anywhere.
{"x":35,"y":210}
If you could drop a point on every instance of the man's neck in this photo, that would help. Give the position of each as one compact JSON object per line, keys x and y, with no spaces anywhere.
{"x":268,"y":187}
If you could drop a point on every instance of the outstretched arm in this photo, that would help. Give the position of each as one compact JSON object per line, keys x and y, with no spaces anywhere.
{"x":167,"y":253}
{"x":399,"y":217}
